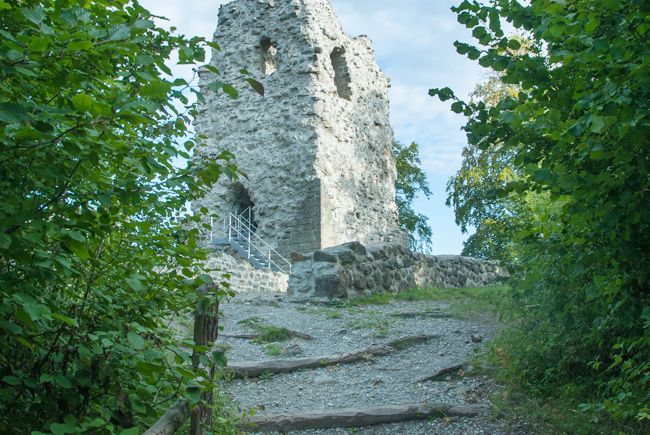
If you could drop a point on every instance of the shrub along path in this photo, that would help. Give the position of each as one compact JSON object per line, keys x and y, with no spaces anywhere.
{"x":368,"y":363}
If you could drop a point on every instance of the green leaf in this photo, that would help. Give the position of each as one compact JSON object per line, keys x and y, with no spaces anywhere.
{"x":597,"y":123}
{"x":131,"y":431}
{"x":232,"y":92}
{"x":592,"y":25}
{"x":220,"y":359}
{"x":82,"y":102}
{"x":11,"y":113}
{"x":134,"y":283}
{"x":79,"y":45}
{"x":46,"y":378}
{"x":212,"y":69}
{"x":11,"y":327}
{"x":543,"y":175}
{"x":457,"y":107}
{"x":65,"y":319}
{"x":119,"y":32}
{"x":35,"y":14}
{"x":39,"y":44}
{"x":78,"y":248}
{"x":5,"y":241}
{"x":12,"y":380}
{"x":257,"y":86}
{"x":135,"y":340}
{"x":63,"y":381}
{"x":213,"y":45}
{"x":156,"y":89}
{"x":514,"y":44}
{"x":61,"y":429}
{"x":646,"y":313}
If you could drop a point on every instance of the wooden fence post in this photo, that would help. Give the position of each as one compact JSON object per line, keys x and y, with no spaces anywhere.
{"x":206,"y":328}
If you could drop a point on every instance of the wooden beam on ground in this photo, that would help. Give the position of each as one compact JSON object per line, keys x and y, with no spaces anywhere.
{"x":172,"y":420}
{"x":356,"y":417}
{"x":295,"y":334}
{"x":439,"y":373}
{"x":259,"y":368}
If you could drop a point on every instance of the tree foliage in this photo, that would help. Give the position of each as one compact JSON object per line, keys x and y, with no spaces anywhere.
{"x":95,"y":258}
{"x":577,"y":132}
{"x":476,"y":191}
{"x":411,"y":181}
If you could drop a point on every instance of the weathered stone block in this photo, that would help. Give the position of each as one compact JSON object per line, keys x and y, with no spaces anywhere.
{"x":325,"y":256}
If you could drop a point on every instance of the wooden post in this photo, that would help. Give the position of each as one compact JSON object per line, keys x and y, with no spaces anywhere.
{"x":206,"y":328}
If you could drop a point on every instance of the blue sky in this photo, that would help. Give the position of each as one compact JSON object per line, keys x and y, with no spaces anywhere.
{"x":413,"y":40}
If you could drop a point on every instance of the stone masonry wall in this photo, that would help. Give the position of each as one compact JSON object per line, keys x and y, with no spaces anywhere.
{"x":316,"y":148}
{"x":243,"y":276}
{"x":352,"y":270}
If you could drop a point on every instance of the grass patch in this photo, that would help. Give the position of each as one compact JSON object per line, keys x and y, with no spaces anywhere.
{"x":266,"y":333}
{"x":378,"y":326}
{"x":271,"y":334}
{"x":464,"y":302}
{"x":273,"y":349}
{"x":251,"y":322}
{"x":331,"y":313}
{"x":374,"y":299}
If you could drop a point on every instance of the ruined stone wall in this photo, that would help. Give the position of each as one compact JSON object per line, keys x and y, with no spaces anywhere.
{"x":316,"y":147}
{"x":352,"y":270}
{"x":354,"y":160}
{"x":273,"y":136}
{"x":243,"y":276}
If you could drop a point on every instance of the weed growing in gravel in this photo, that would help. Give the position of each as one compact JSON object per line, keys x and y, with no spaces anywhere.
{"x":464,"y":302}
{"x":332,"y":313}
{"x":379,"y":326}
{"x":375,"y":299}
{"x":273,"y":349}
{"x":271,"y":334}
{"x":266,"y":333}
{"x":251,"y":322}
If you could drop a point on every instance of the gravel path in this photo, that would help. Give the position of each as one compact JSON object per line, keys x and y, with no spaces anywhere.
{"x":384,"y":380}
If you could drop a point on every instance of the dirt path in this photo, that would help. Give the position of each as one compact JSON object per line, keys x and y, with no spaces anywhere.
{"x":383,"y":380}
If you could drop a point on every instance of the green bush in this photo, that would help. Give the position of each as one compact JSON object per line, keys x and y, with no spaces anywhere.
{"x":95,"y":258}
{"x":574,"y":130}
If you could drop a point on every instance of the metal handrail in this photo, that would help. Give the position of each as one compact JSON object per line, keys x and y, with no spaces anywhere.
{"x":244,"y":229}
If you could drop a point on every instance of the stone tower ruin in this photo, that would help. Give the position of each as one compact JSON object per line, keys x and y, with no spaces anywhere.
{"x":316,"y":149}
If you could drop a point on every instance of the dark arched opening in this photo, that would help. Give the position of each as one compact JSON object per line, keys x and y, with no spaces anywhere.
{"x":242,"y":204}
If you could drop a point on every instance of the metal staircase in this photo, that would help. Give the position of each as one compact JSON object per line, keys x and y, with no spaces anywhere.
{"x":240,"y":233}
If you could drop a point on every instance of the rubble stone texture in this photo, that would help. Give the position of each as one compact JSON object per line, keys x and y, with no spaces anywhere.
{"x":242,"y":276}
{"x":316,"y":148}
{"x":352,"y":270}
